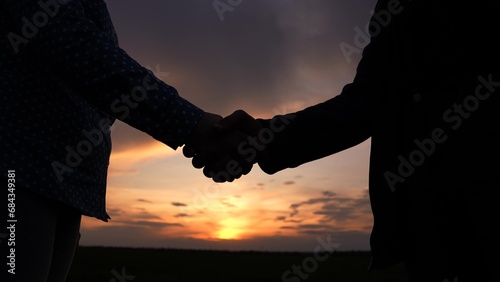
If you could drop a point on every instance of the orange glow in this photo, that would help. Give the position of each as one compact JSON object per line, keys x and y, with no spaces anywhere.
{"x":231,"y":229}
{"x":131,"y":157}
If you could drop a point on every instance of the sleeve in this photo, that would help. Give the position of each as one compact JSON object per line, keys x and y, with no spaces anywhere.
{"x":336,"y":124}
{"x":62,"y":40}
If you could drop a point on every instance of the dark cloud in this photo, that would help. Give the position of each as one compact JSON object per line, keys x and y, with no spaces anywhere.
{"x":177,"y":204}
{"x":122,"y":146}
{"x":313,"y":226}
{"x":329,"y":194}
{"x":333,"y":209}
{"x":140,"y":213}
{"x":260,"y":186}
{"x":288,"y":182}
{"x":266,"y":53}
{"x":144,"y":201}
{"x":295,"y":207}
{"x":346,"y":208}
{"x":284,"y":218}
{"x":114,"y":212}
{"x":182,"y":215}
{"x":148,"y":224}
{"x":144,"y":215}
{"x":226,"y":203}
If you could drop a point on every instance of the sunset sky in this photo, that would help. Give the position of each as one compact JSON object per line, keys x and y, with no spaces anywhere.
{"x":266,"y":57}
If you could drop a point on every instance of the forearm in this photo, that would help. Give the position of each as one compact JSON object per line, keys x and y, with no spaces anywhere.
{"x":77,"y":49}
{"x":339,"y":123}
{"x":315,"y":132}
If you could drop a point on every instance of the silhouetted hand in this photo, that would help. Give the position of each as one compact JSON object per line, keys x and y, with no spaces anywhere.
{"x":238,"y":151}
{"x":215,"y":149}
{"x":202,"y":137}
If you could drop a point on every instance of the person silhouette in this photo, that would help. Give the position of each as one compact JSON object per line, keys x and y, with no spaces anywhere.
{"x":64,"y":81}
{"x":426,"y":93}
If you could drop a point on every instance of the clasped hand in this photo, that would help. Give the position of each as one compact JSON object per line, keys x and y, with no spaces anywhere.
{"x":216,"y":145}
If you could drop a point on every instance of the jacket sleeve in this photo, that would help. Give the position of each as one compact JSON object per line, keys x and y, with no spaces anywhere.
{"x":61,"y":40}
{"x":336,"y":124}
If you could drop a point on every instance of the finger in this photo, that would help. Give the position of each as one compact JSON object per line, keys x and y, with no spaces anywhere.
{"x":207,"y":156}
{"x":227,"y":170}
{"x":215,"y":156}
{"x":246,"y":168}
{"x":198,"y":162}
{"x":238,"y":120}
{"x":188,"y":151}
{"x":218,"y":172}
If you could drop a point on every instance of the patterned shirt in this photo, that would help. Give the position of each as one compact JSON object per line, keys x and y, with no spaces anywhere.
{"x":63,"y":82}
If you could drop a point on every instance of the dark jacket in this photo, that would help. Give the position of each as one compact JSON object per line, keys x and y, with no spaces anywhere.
{"x":426,"y":93}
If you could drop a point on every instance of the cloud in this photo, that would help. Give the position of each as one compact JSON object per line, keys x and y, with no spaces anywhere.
{"x":336,"y":213}
{"x":266,"y":55}
{"x":144,"y":201}
{"x":284,"y":218}
{"x":313,"y":226}
{"x":149,"y":224}
{"x":125,"y":159}
{"x":329,"y":194}
{"x":226,"y":203}
{"x":182,"y":215}
{"x":114,"y":212}
{"x":144,"y":215}
{"x":343,"y":209}
{"x":327,"y":197}
{"x":288,"y":182}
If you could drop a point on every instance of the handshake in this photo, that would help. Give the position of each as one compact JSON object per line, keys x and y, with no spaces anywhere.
{"x":226,"y":148}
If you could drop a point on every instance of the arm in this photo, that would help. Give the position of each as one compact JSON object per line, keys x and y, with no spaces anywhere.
{"x":335,"y":125}
{"x":78,"y":51}
{"x":326,"y":128}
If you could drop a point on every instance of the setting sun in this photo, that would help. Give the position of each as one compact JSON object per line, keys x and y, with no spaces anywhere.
{"x":228,"y":233}
{"x":230,"y":229}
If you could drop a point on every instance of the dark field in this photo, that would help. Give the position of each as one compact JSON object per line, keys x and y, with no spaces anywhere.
{"x":126,"y":264}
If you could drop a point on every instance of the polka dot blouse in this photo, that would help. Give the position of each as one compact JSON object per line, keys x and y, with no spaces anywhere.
{"x":63,"y":82}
